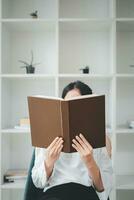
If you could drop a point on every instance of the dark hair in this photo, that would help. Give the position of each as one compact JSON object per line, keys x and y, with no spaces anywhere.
{"x":82,"y":87}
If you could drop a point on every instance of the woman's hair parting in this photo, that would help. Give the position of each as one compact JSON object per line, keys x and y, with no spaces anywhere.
{"x":82,"y":87}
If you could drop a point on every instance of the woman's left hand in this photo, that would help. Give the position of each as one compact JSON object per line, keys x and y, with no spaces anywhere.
{"x":85,"y":150}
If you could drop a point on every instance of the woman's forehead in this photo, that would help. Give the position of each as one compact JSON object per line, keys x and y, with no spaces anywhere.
{"x":72,"y":93}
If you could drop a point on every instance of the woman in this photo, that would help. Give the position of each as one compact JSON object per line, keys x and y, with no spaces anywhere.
{"x":83,"y":175}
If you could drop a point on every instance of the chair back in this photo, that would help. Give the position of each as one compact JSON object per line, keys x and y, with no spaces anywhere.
{"x":31,"y":192}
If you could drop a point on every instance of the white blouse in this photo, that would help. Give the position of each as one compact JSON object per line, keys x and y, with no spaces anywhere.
{"x":70,"y":168}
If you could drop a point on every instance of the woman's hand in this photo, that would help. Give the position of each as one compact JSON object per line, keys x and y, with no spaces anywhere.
{"x":52,"y":154}
{"x":85,"y":150}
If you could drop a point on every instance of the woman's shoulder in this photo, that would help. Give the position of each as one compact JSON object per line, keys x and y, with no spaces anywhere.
{"x":100,"y":151}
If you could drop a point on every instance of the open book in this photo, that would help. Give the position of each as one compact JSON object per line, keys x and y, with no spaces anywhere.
{"x":51,"y":117}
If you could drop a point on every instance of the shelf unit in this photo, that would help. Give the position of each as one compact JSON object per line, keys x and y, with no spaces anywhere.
{"x":66,"y":36}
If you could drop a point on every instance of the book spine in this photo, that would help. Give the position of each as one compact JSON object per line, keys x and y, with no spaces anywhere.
{"x":65,"y":125}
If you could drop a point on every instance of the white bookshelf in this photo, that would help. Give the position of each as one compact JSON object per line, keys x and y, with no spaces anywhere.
{"x":125,"y":182}
{"x":18,"y":185}
{"x":66,"y":36}
{"x":124,"y":96}
{"x":17,"y":9}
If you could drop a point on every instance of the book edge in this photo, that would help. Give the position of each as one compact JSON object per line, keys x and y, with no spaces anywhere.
{"x":69,"y":99}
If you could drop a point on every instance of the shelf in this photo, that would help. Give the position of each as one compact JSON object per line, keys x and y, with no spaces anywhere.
{"x":15,"y":131}
{"x":124,"y":130}
{"x":85,"y":25}
{"x":18,"y":39}
{"x":29,"y":25}
{"x":124,"y":149}
{"x":124,"y":101}
{"x":22,"y":9}
{"x":125,"y":25}
{"x":91,"y":76}
{"x":124,"y":9}
{"x":84,"y":9}
{"x":14,"y":97}
{"x":125,"y":75}
{"x":28,"y":76}
{"x":91,"y":20}
{"x":15,"y":146}
{"x":125,"y":182}
{"x":26,"y":20}
{"x":32,"y":76}
{"x":124,"y":19}
{"x":124,"y":157}
{"x":125,"y":48}
{"x":17,"y":185}
{"x":88,"y":37}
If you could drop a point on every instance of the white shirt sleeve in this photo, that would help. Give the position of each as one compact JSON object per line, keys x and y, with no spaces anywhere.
{"x":39,"y":175}
{"x":106,"y":171}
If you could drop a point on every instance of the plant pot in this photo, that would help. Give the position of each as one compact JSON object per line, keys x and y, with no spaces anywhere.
{"x":30,"y":70}
{"x":85,"y":71}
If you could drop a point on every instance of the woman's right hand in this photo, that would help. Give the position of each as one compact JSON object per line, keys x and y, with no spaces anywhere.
{"x":52,"y":154}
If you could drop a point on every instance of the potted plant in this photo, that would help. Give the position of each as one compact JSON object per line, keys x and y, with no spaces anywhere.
{"x":30,"y":68}
{"x":34,"y":14}
{"x":85,"y":70}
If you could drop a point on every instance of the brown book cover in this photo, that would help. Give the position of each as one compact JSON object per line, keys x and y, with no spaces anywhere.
{"x":52,"y":117}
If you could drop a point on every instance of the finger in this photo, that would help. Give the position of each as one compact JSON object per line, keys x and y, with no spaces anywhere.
{"x":58,"y":142}
{"x":55,"y":141}
{"x":78,"y":146}
{"x":85,"y":141}
{"x":57,"y":147}
{"x":75,"y":147}
{"x":84,"y":146}
{"x":59,"y":150}
{"x":54,"y":148}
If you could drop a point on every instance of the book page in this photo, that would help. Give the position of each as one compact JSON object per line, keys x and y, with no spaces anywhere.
{"x":48,"y":97}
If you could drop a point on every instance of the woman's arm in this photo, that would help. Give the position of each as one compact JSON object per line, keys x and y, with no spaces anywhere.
{"x":86,"y":151}
{"x":95,"y":175}
{"x":108,"y":146}
{"x":44,"y":162}
{"x":52,"y":154}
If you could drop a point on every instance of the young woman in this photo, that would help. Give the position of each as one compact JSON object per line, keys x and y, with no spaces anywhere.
{"x":83,"y":175}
